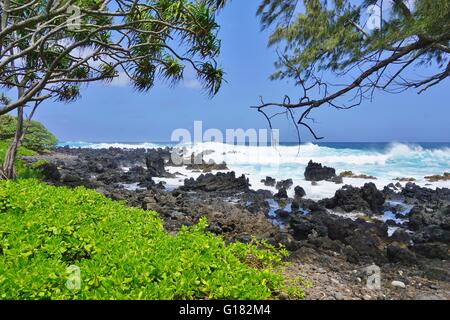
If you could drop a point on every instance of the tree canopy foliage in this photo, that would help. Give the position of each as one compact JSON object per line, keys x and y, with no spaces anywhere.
{"x":49,"y":48}
{"x":340,"y":53}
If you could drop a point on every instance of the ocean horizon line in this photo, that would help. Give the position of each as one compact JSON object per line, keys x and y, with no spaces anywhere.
{"x":281,"y":142}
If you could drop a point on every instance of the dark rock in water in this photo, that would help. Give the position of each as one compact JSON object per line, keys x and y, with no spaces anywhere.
{"x":109,"y":178}
{"x":197,"y":163}
{"x":150,"y":185}
{"x":392,"y":186}
{"x":400,"y":253}
{"x":317,"y":172}
{"x":350,"y":174}
{"x":136,"y":174}
{"x":426,"y":195}
{"x":403,"y":179}
{"x":256,"y":201}
{"x":281,"y":194}
{"x":373,"y":197}
{"x":299,"y":192}
{"x":421,"y":217}
{"x":391,"y":223}
{"x":155,"y":164}
{"x":137,"y":170}
{"x":399,"y":216}
{"x":433,"y":250}
{"x":349,"y":199}
{"x":49,"y":171}
{"x":337,"y":180}
{"x":389,"y":190}
{"x":264,"y":193}
{"x":219,"y":182}
{"x":282,"y":213}
{"x":312,"y":206}
{"x":400,"y":235}
{"x":295,"y":205}
{"x":444,"y":177}
{"x":284,"y":184}
{"x":269,"y":182}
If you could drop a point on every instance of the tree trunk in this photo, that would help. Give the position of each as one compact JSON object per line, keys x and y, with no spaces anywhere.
{"x":9,"y":167}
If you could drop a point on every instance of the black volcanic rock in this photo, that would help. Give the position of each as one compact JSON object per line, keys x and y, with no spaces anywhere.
{"x":317,"y":172}
{"x":281,"y":194}
{"x":49,"y":171}
{"x":299,"y":192}
{"x":269,"y":182}
{"x":421,"y":217}
{"x":363,"y":241}
{"x":426,"y":195}
{"x":373,"y":197}
{"x":432,"y":250}
{"x":284,"y":184}
{"x":155,"y":164}
{"x":400,"y":253}
{"x":219,"y":182}
{"x":349,"y":199}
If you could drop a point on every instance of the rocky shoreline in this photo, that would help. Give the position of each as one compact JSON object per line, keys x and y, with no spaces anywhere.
{"x":404,"y":230}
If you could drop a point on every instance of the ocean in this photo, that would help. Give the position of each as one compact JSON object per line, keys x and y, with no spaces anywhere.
{"x":385,"y":161}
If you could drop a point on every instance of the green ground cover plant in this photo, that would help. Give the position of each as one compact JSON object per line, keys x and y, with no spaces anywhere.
{"x":122,"y":252}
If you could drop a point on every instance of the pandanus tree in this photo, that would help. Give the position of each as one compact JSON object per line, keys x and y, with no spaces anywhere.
{"x":339,"y":53}
{"x":51,"y":48}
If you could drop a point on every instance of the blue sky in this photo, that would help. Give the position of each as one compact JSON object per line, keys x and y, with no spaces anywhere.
{"x":117,"y":113}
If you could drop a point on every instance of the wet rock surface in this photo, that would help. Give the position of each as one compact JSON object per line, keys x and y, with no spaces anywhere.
{"x":317,"y":172}
{"x":198,"y":163}
{"x":269,"y":182}
{"x":351,"y":199}
{"x":217,"y":182}
{"x":286,"y":184}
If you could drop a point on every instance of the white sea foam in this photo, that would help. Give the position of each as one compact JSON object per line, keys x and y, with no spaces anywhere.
{"x":107,"y":145}
{"x":283,"y":162}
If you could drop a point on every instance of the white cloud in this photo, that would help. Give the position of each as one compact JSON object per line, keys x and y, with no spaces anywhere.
{"x":121,"y":80}
{"x":193,"y":84}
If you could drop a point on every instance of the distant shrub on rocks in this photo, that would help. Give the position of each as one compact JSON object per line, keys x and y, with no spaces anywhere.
{"x":38,"y":138}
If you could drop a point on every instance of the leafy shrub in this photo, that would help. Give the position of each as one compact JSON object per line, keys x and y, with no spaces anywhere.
{"x":37,"y":138}
{"x":122,"y":252}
